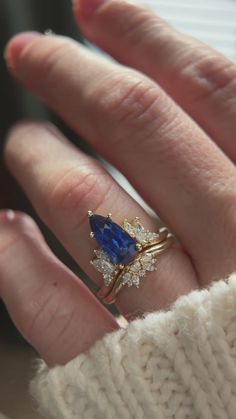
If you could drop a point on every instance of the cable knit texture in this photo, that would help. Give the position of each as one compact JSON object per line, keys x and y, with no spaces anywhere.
{"x":178,"y":364}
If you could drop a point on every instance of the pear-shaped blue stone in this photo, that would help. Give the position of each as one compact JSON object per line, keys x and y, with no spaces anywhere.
{"x":119,"y":246}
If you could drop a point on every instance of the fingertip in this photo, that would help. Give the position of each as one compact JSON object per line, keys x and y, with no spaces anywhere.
{"x":10,"y":218}
{"x":20,"y":224}
{"x":7,"y":216}
{"x":16,"y":45}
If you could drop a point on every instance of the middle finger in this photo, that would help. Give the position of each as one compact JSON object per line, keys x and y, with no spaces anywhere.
{"x":134,"y":124}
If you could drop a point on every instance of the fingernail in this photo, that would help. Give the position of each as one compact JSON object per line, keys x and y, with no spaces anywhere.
{"x":10,"y":215}
{"x":16,"y":45}
{"x":7,"y":216}
{"x":86,"y":8}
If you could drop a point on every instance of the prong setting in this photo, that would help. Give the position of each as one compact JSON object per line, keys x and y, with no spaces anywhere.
{"x":117,"y":270}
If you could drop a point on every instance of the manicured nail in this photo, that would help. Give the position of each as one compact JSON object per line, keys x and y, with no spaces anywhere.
{"x":16,"y":45}
{"x":86,"y":8}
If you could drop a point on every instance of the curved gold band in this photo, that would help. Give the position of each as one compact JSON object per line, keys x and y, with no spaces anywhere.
{"x":109,"y":293}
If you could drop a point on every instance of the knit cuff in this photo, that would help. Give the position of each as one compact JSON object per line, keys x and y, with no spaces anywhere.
{"x":178,"y":364}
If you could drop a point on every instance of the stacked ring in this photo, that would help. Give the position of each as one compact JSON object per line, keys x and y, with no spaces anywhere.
{"x":126,"y":253}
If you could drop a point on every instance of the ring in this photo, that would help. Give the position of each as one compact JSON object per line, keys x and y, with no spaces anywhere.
{"x":126,"y":253}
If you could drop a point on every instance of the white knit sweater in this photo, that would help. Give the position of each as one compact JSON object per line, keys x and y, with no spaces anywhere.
{"x":178,"y":364}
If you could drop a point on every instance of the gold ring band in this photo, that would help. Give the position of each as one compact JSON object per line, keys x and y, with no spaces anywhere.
{"x":109,"y":294}
{"x":126,"y":252}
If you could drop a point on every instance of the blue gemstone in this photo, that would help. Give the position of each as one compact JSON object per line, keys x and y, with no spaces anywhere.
{"x":119,"y":246}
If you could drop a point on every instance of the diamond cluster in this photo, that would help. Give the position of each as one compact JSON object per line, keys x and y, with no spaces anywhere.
{"x":103,"y":265}
{"x":136,"y":230}
{"x":137,"y":270}
{"x":133,"y":272}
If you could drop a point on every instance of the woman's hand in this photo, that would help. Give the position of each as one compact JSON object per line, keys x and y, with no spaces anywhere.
{"x":172,"y":135}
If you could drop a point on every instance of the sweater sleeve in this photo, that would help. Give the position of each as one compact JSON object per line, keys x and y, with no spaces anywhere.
{"x":178,"y":364}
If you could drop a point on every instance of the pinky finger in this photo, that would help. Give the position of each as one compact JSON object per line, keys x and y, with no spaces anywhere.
{"x":53,"y":309}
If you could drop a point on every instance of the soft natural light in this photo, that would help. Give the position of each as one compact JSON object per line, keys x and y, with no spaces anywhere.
{"x":212,"y":21}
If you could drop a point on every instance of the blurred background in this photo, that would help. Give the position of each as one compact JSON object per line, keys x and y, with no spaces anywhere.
{"x":212,"y":21}
{"x":16,"y":356}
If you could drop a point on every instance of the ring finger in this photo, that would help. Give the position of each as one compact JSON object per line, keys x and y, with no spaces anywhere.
{"x":63,"y":188}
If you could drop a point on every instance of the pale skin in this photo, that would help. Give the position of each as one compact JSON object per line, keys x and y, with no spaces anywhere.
{"x":169,"y":127}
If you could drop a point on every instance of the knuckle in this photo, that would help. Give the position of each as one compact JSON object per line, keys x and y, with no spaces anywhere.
{"x":38,"y":311}
{"x":43,"y":312}
{"x":210,"y":76}
{"x":74,"y":187}
{"x":79,"y":188}
{"x":127,"y":99}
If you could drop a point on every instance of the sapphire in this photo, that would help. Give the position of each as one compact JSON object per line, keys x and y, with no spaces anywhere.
{"x":119,"y":246}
